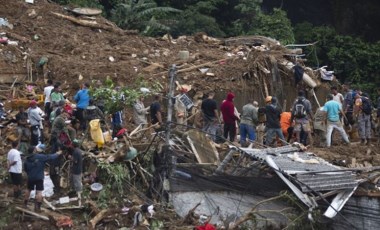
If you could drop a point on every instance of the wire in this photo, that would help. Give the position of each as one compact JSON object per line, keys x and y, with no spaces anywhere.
{"x":280,"y":171}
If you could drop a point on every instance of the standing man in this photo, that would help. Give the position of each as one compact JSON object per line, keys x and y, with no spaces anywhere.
{"x":82,"y":98}
{"x":319,"y":125}
{"x":348,"y":104}
{"x":301,"y":113}
{"x":362,"y":112}
{"x":338,"y":97}
{"x":286,"y":125}
{"x":56,"y":95}
{"x":229,"y":118}
{"x":35,"y":119}
{"x":22,"y":129}
{"x":248,"y":122}
{"x":155,"y":111}
{"x":15,"y":169}
{"x":34,"y":167}
{"x":332,"y":110}
{"x":47,"y":91}
{"x":76,"y":169}
{"x":273,"y":126}
{"x":210,"y":115}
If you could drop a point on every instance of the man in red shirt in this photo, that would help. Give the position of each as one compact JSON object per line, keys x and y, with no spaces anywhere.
{"x":229,"y":118}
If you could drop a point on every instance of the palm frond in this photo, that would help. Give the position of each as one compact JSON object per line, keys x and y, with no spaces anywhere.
{"x":151,"y":11}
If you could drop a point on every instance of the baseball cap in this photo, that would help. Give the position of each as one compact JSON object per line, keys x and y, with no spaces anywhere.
{"x":268,"y":99}
{"x":33,"y":103}
{"x":40,"y":147}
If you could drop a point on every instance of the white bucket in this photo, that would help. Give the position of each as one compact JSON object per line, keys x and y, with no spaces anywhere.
{"x":309,"y":81}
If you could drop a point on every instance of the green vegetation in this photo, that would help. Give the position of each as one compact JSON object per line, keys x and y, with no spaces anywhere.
{"x":117,"y":99}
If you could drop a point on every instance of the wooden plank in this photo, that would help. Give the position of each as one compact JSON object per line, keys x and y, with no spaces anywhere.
{"x":32,"y":213}
{"x":202,"y":147}
{"x":194,"y":150}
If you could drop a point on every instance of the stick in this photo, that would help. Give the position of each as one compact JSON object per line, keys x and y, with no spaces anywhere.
{"x":265,"y":87}
{"x":192,"y":115}
{"x":315,"y":97}
{"x":144,"y":129}
{"x":17,"y":37}
{"x":136,"y":129}
{"x":94,"y":208}
{"x":190,"y":213}
{"x":98,"y":218}
{"x":33,"y":213}
{"x":49,"y":204}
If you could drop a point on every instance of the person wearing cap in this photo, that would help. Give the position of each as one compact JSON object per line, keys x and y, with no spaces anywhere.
{"x":15,"y":169}
{"x":302,"y":114}
{"x":35,"y":118}
{"x":229,"y":117}
{"x":248,"y":122}
{"x":34,"y":166}
{"x":180,"y":108}
{"x":75,"y":155}
{"x":273,"y":116}
{"x":82,"y":98}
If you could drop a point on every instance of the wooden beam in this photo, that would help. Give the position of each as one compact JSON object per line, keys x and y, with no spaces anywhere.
{"x":32,"y":213}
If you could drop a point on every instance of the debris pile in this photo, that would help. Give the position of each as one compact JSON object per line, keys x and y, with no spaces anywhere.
{"x":126,"y":178}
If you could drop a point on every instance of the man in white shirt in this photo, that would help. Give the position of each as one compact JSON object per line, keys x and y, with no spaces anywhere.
{"x":15,"y":168}
{"x":47,"y":92}
{"x":35,"y":118}
{"x":338,"y":97}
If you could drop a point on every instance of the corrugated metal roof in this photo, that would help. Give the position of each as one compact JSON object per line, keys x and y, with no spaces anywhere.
{"x":326,"y":182}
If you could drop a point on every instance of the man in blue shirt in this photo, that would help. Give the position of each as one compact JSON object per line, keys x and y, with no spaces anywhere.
{"x":34,"y":167}
{"x":332,"y":109}
{"x":82,"y":98}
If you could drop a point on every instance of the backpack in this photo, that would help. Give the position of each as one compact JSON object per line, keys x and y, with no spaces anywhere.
{"x":366,"y":106}
{"x":299,"y":109}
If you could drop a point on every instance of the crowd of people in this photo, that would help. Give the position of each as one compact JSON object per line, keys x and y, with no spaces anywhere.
{"x":301,"y":124}
{"x":65,"y":122}
{"x":62,"y":122}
